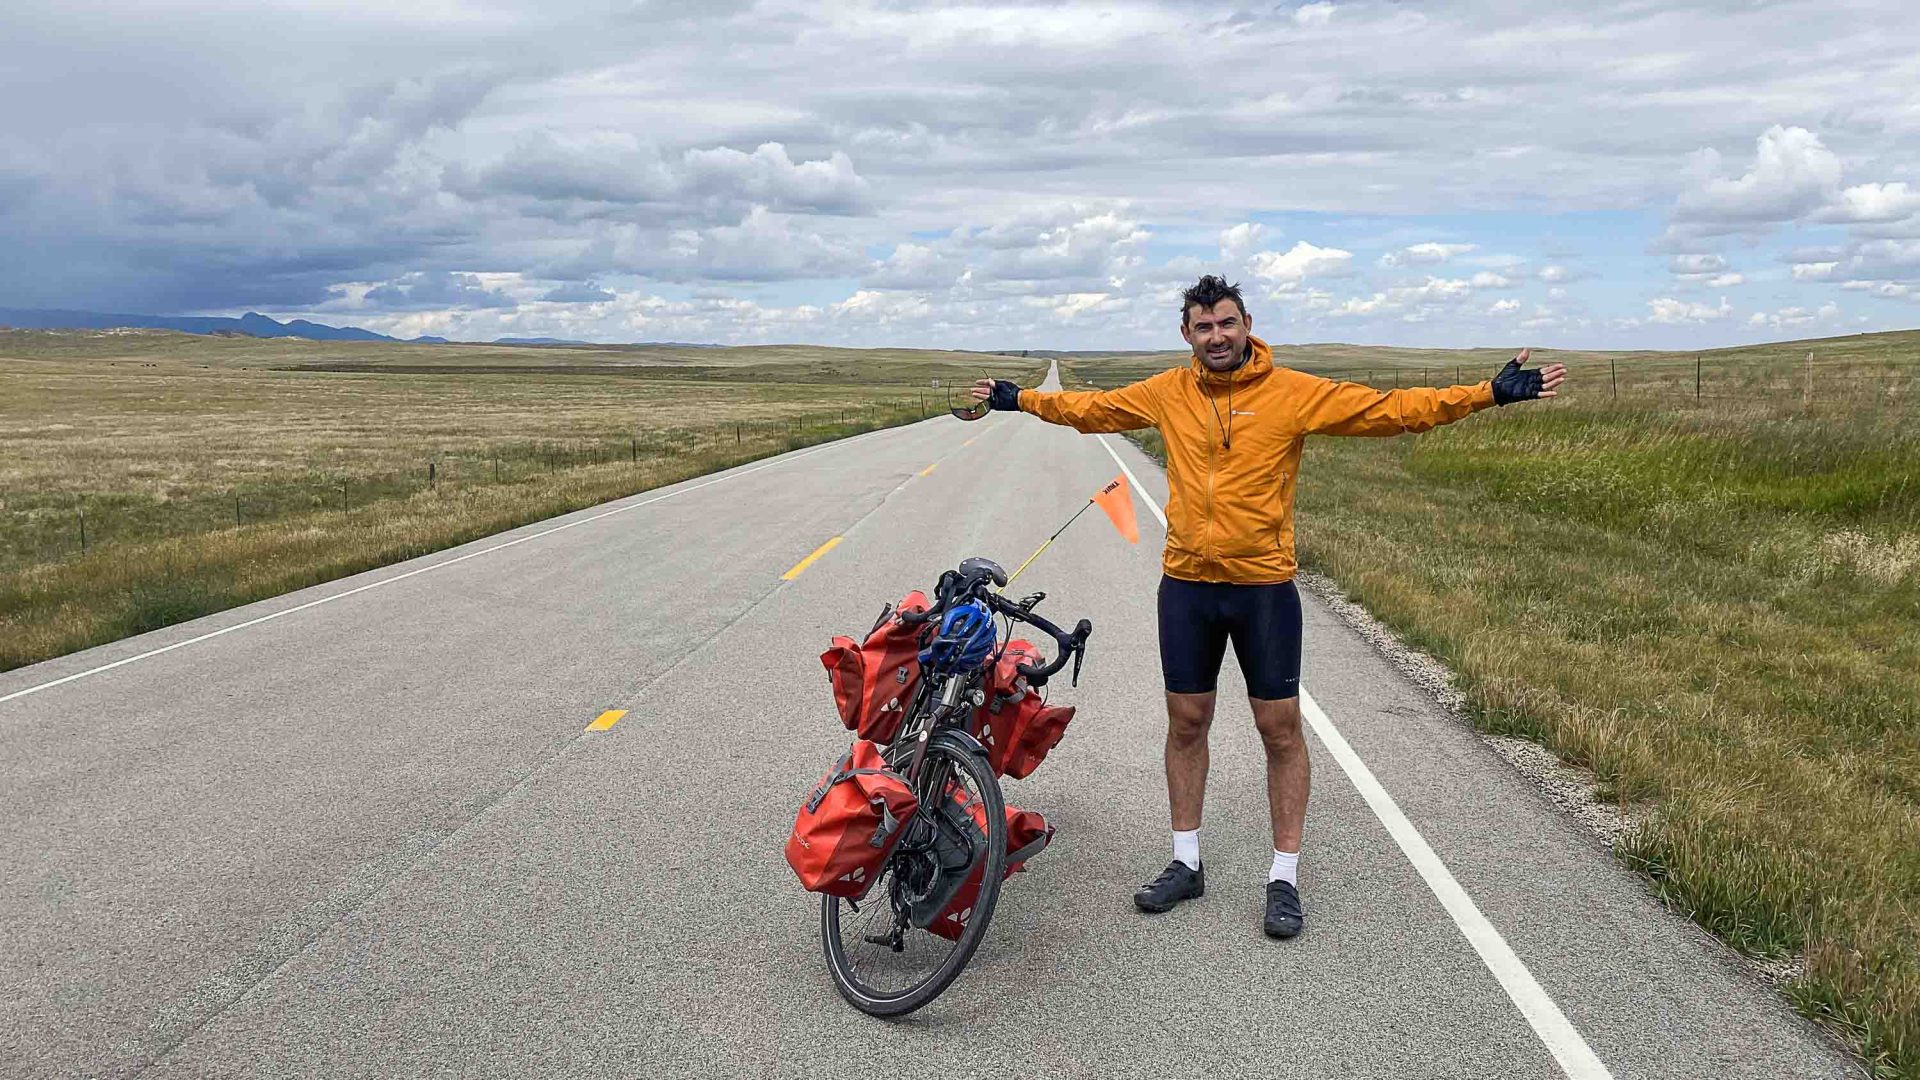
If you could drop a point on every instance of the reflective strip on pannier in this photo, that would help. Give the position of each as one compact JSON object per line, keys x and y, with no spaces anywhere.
{"x":849,"y":823}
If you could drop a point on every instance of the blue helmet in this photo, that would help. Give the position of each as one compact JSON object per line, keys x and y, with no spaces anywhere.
{"x":964,"y":641}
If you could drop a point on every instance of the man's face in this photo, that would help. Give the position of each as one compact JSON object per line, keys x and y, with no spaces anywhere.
{"x":1218,"y":335}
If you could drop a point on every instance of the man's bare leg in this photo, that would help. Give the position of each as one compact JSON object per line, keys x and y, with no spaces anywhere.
{"x":1288,"y":773}
{"x":1189,"y":716}
{"x":1288,"y":777}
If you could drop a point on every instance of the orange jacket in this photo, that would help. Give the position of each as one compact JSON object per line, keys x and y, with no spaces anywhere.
{"x":1230,"y":510}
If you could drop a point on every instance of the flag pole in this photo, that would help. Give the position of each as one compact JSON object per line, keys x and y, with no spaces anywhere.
{"x":1049,"y":543}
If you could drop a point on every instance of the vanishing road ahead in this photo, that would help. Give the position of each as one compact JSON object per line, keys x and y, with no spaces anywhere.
{"x":373,"y":836}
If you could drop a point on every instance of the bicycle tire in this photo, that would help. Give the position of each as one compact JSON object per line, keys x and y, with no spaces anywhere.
{"x":882,"y":1003}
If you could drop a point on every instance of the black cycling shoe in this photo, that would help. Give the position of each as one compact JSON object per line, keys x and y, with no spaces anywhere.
{"x":1284,"y":917}
{"x":1175,"y":883}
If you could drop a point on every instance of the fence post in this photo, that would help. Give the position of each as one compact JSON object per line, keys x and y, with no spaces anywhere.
{"x":496,"y":468}
{"x":236,"y":509}
{"x":736,"y":434}
{"x":83,"y":530}
{"x":1808,"y":401}
{"x":633,"y":449}
{"x":1696,"y":380}
{"x":433,"y":469}
{"x":1613,"y":372}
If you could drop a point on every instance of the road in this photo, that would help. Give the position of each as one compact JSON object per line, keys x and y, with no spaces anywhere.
{"x":364,"y":830}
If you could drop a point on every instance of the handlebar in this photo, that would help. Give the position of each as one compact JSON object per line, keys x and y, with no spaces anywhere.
{"x":954,"y":587}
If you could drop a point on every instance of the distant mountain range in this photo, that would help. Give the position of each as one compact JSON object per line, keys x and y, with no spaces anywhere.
{"x":252,"y":324}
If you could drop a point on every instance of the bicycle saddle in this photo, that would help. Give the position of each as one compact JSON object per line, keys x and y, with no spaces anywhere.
{"x":987,"y":568}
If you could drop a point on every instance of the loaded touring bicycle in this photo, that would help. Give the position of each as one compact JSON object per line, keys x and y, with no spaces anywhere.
{"x":908,"y":837}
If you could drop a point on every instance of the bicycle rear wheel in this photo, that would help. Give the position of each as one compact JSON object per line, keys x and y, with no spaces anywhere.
{"x":881,"y":963}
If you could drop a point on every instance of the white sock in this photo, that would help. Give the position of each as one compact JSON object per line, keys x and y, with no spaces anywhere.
{"x":1286,"y":867}
{"x":1186,"y":847}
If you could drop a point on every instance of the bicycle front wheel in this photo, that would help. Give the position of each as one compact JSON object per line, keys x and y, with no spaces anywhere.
{"x":881,"y":962}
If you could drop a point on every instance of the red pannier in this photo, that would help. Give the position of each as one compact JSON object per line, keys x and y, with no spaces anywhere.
{"x":1027,"y":835}
{"x":849,"y":823}
{"x":1015,"y":726}
{"x":874,"y":681}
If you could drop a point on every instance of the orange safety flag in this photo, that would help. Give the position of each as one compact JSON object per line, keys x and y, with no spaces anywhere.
{"x":1117,"y":501}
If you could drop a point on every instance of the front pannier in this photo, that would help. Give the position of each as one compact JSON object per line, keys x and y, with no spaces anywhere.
{"x":1015,"y":725}
{"x":850,"y":823}
{"x":874,"y":680}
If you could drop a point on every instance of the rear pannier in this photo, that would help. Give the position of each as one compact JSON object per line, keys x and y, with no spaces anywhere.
{"x":1016,"y":727}
{"x":850,"y":823}
{"x":874,"y":680}
{"x":1027,"y":835}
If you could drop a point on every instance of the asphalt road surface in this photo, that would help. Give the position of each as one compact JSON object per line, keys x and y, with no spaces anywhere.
{"x":364,"y":830}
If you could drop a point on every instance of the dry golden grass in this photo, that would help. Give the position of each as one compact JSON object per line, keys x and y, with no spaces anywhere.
{"x":208,"y":472}
{"x":1715,"y":607}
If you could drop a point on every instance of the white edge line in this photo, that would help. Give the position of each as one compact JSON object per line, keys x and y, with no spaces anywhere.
{"x":1576,"y":1059}
{"x":731,"y":475}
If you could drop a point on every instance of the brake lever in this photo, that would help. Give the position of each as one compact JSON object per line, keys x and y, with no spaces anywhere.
{"x":1079,"y":654}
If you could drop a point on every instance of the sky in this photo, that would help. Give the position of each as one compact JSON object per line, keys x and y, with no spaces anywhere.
{"x":993,"y":175}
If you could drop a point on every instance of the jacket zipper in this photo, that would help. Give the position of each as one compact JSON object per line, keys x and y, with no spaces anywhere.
{"x":1213,"y":557}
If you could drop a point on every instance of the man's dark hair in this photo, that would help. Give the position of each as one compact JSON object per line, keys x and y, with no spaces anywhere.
{"x":1210,"y":290}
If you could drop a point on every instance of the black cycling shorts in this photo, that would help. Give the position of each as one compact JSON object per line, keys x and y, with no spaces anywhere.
{"x":1198,"y":618}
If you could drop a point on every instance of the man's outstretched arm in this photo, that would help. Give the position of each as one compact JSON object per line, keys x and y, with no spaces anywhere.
{"x":1341,"y":408}
{"x":1121,"y":409}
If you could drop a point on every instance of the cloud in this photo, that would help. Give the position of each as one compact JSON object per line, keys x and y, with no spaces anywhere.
{"x":1872,"y":204}
{"x":1558,"y":274}
{"x":1284,"y":270}
{"x":1319,"y":14}
{"x":1885,"y":290}
{"x":577,"y":292}
{"x":436,"y":289}
{"x":1425,"y":254}
{"x":1792,"y":175}
{"x":1793,"y":317}
{"x":1685,"y":265}
{"x":1241,"y":240}
{"x":617,"y":176}
{"x":1672,"y":312}
{"x":764,"y":246}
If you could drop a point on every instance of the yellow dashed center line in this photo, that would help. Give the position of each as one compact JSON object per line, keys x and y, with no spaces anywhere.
{"x":809,"y":560}
{"x":928,"y":469}
{"x":607,"y":719}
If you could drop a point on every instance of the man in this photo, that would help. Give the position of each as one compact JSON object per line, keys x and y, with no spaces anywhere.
{"x":1234,"y":425}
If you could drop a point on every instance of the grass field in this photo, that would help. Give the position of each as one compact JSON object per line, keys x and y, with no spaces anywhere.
{"x":1712,"y":602}
{"x":149,"y":477}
